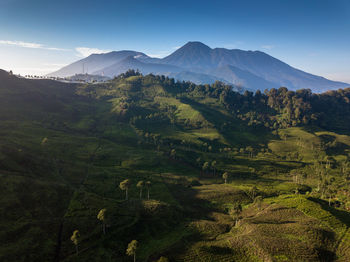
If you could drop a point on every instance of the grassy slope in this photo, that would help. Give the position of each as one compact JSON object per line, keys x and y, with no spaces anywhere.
{"x":63,"y":156}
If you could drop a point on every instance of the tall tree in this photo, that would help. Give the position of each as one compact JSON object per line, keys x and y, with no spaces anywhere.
{"x":173,"y":153}
{"x":75,"y":238}
{"x":131,"y":250}
{"x":344,"y":169}
{"x":205,"y":167}
{"x":148,"y":185}
{"x":102,"y":216}
{"x":225,"y":177}
{"x":124,"y":185}
{"x":213,"y":166}
{"x":140,"y":185}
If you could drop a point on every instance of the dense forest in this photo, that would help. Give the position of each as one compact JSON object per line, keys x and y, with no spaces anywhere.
{"x":147,"y":168}
{"x":275,"y":108}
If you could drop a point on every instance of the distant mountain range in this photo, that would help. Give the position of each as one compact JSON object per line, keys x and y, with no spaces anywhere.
{"x":201,"y":64}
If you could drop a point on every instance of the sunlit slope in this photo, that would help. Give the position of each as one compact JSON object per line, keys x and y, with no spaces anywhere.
{"x":65,"y":149}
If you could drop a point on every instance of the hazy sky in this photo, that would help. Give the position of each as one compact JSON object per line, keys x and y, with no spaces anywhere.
{"x":40,"y":36}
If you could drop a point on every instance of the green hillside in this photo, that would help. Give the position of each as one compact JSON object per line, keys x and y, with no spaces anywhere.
{"x":65,"y":149}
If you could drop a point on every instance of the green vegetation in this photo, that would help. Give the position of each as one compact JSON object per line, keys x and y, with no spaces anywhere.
{"x":75,"y":239}
{"x":102,"y":216}
{"x":131,"y":250}
{"x":228,"y":176}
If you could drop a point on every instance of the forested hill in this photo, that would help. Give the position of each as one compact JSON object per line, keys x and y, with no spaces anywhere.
{"x":192,"y":172}
{"x":272,"y":109}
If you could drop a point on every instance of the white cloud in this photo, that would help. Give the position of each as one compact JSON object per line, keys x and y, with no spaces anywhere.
{"x":86,"y":51}
{"x":159,"y":55}
{"x":30,"y":45}
{"x":21,"y":44}
{"x":269,"y":47}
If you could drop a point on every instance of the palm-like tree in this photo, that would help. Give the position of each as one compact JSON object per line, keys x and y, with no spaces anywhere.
{"x":102,"y":217}
{"x":205,"y":167}
{"x":131,"y":250}
{"x":75,"y":238}
{"x":124,"y":185}
{"x":225,"y":177}
{"x":173,"y":153}
{"x":140,"y":185}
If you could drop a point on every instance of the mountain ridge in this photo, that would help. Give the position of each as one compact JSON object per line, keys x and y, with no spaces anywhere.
{"x":197,"y":58}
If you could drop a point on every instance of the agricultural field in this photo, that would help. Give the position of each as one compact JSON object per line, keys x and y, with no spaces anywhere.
{"x":218,"y":184}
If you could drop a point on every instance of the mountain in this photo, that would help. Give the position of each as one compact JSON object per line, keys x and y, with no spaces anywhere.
{"x":191,"y":55}
{"x":95,"y":62}
{"x":197,"y":78}
{"x":249,"y":69}
{"x":199,"y":57}
{"x":241,"y":78}
{"x":131,"y":62}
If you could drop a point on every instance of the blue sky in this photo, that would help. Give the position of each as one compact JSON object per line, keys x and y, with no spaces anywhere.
{"x":40,"y":36}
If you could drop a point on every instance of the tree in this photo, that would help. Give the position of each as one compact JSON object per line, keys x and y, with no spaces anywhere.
{"x":235,"y":212}
{"x":213,"y":166}
{"x":321,"y":173}
{"x":225,"y":177}
{"x":205,"y":167}
{"x":250,"y":150}
{"x":140,"y":185}
{"x":329,"y":189}
{"x":131,"y":250}
{"x":75,"y":238}
{"x":173,"y":153}
{"x":148,"y":185}
{"x":102,"y":216}
{"x":295,"y":175}
{"x":124,"y":185}
{"x":344,"y":169}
